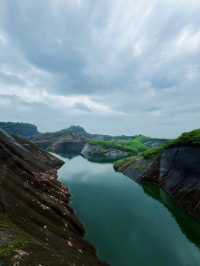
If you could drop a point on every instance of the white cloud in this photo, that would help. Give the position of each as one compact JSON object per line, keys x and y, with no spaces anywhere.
{"x":3,"y":39}
{"x":131,"y":61}
{"x":188,"y":40}
{"x":59,"y":102}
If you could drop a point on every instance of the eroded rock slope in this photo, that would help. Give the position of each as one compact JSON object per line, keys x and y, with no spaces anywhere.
{"x":37,"y":225}
{"x":175,"y":169}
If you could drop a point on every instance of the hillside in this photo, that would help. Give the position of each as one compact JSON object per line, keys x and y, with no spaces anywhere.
{"x":37,"y":225}
{"x":71,"y":141}
{"x":25,"y":130}
{"x":115,"y":149}
{"x":174,"y":167}
{"x":75,"y":140}
{"x":95,"y":147}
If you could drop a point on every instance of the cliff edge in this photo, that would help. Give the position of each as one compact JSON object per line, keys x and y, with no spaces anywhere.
{"x":174,"y":168}
{"x":37,"y":225}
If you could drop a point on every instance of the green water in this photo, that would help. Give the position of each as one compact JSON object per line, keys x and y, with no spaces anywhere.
{"x":127,"y":224}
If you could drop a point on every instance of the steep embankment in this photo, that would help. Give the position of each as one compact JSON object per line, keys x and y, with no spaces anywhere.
{"x":68,"y":141}
{"x":174,"y":168}
{"x":37,"y":226}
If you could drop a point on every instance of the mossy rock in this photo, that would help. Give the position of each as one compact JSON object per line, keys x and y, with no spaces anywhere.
{"x":12,"y":238}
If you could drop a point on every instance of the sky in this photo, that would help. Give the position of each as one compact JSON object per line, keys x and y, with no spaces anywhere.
{"x":111,"y":66}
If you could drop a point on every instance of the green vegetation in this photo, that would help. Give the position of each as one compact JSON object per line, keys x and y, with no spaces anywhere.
{"x":153,"y":152}
{"x":140,"y":164}
{"x":188,"y":138}
{"x":5,"y":223}
{"x":124,"y":163}
{"x":134,"y":146}
{"x":17,"y":238}
{"x":138,"y":146}
{"x":10,"y":248}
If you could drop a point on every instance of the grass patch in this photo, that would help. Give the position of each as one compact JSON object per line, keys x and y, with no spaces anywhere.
{"x":134,"y":146}
{"x":124,"y":163}
{"x":5,"y":223}
{"x":9,"y":249}
{"x":189,"y":138}
{"x":139,"y":163}
{"x":17,"y":239}
{"x":151,"y":153}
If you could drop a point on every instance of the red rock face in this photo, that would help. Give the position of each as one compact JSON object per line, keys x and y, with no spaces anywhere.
{"x":33,"y":199}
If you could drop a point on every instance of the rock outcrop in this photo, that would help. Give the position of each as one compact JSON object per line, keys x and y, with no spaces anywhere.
{"x":37,"y":225}
{"x":176,"y":170}
{"x":97,"y":153}
{"x":134,"y":167}
{"x":71,"y":141}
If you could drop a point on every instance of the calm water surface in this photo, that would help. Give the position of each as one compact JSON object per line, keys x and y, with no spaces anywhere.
{"x":127,"y":225}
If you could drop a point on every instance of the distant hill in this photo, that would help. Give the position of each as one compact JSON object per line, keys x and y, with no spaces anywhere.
{"x":75,"y":140}
{"x":25,"y":130}
{"x":72,"y":141}
{"x":75,"y":129}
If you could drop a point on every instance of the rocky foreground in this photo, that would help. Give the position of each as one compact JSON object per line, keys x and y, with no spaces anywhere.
{"x":175,"y":169}
{"x":37,"y":225}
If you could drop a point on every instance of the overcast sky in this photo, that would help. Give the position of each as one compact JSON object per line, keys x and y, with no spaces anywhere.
{"x":112,"y":66}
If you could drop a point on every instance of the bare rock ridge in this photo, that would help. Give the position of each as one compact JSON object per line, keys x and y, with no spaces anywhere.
{"x":37,"y":225}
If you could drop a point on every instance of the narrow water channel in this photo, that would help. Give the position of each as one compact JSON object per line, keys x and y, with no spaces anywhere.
{"x":127,"y":225}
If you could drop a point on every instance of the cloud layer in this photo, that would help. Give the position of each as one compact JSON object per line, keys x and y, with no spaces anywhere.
{"x":112,"y":66}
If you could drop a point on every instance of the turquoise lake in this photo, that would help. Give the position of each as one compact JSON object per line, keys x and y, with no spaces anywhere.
{"x":128,"y":224}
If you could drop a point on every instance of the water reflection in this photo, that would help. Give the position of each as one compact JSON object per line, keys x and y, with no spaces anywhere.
{"x":188,"y":225}
{"x":69,"y":155}
{"x":127,"y":226}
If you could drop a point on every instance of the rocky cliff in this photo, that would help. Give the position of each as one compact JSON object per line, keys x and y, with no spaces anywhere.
{"x":98,"y":153}
{"x":67,"y":142}
{"x":116,"y":149}
{"x":175,"y":169}
{"x":71,"y":141}
{"x":37,"y":225}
